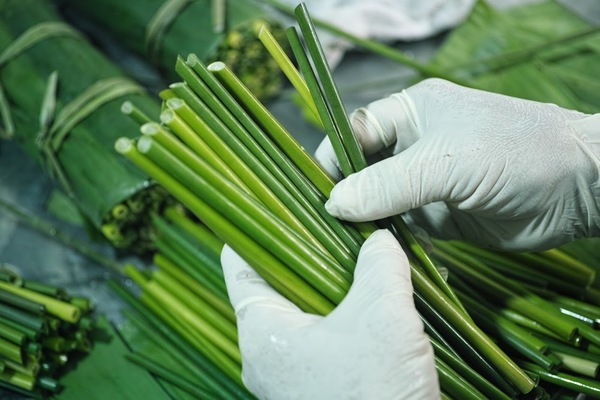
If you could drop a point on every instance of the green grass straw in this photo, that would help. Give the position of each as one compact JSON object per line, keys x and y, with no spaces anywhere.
{"x":60,"y":309}
{"x":180,"y":342}
{"x":170,"y":376}
{"x":175,"y":352}
{"x":580,"y":385}
{"x":222,"y":306}
{"x":476,"y":337}
{"x":281,"y":169}
{"x":196,"y":229}
{"x":318,"y":269}
{"x":438,"y":325}
{"x":196,"y":304}
{"x":281,"y":154}
{"x":228,"y":366}
{"x":179,"y":311}
{"x":273,"y":193}
{"x":453,"y":384}
{"x":338,"y":112}
{"x":319,"y":98}
{"x":489,"y":390}
{"x":167,"y":254}
{"x":288,"y":68}
{"x":277,"y":274}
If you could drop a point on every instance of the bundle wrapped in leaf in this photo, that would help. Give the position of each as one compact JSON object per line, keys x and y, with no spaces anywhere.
{"x":213,"y":30}
{"x":61,"y":101}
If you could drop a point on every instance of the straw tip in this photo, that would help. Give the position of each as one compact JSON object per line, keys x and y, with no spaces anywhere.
{"x":175,"y":103}
{"x":123,"y":145}
{"x":150,"y":128}
{"x":144,"y":144}
{"x":192,"y":60}
{"x":166,"y":117}
{"x":216,"y":66}
{"x":127,"y":107}
{"x":262,"y":30}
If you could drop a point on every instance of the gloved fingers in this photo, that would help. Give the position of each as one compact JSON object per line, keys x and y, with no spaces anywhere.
{"x":247,"y":289}
{"x":408,"y":180}
{"x":437,"y":219}
{"x":382,"y":264}
{"x":382,"y":275}
{"x":391,"y":121}
{"x":325,"y":156}
{"x":589,"y":130}
{"x":382,"y":124}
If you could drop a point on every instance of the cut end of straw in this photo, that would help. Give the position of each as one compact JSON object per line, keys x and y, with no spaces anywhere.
{"x":143,"y":144}
{"x":150,"y":128}
{"x":167,"y":116}
{"x":216,"y":66}
{"x":262,"y":31}
{"x":127,"y":107}
{"x":123,"y":145}
{"x":75,"y":315}
{"x":175,"y":103}
{"x":192,"y":60}
{"x":177,"y":85}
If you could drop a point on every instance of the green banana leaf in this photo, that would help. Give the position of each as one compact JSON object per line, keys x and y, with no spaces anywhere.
{"x":540,"y":52}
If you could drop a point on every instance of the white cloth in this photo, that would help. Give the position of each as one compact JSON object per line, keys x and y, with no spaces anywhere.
{"x":387,"y":20}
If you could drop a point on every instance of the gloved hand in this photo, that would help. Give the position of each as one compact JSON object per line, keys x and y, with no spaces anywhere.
{"x":372,"y":346}
{"x":498,"y":171}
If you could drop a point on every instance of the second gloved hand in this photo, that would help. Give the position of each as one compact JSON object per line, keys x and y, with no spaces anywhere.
{"x":372,"y":346}
{"x":499,"y":171}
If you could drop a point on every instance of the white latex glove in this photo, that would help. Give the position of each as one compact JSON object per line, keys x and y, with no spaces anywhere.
{"x":498,"y":171}
{"x":372,"y":346}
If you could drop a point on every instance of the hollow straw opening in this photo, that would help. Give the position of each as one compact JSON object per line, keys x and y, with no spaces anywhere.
{"x":123,"y":145}
{"x":127,"y":107}
{"x":144,"y":144}
{"x":150,"y":128}
{"x":167,"y":116}
{"x":76,"y":314}
{"x":216,"y":66}
{"x":175,"y":103}
{"x":192,"y":59}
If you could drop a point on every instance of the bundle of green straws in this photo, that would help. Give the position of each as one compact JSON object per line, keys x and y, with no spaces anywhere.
{"x":220,"y":152}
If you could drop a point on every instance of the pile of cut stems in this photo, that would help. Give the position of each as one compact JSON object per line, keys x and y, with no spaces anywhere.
{"x":540,"y":308}
{"x":184,"y":310}
{"x":219,"y":152}
{"x":43,"y":332}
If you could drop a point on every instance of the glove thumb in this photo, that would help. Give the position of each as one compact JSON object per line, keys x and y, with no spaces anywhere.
{"x":409,"y":180}
{"x":382,"y":281}
{"x":249,"y":292}
{"x":379,"y":125}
